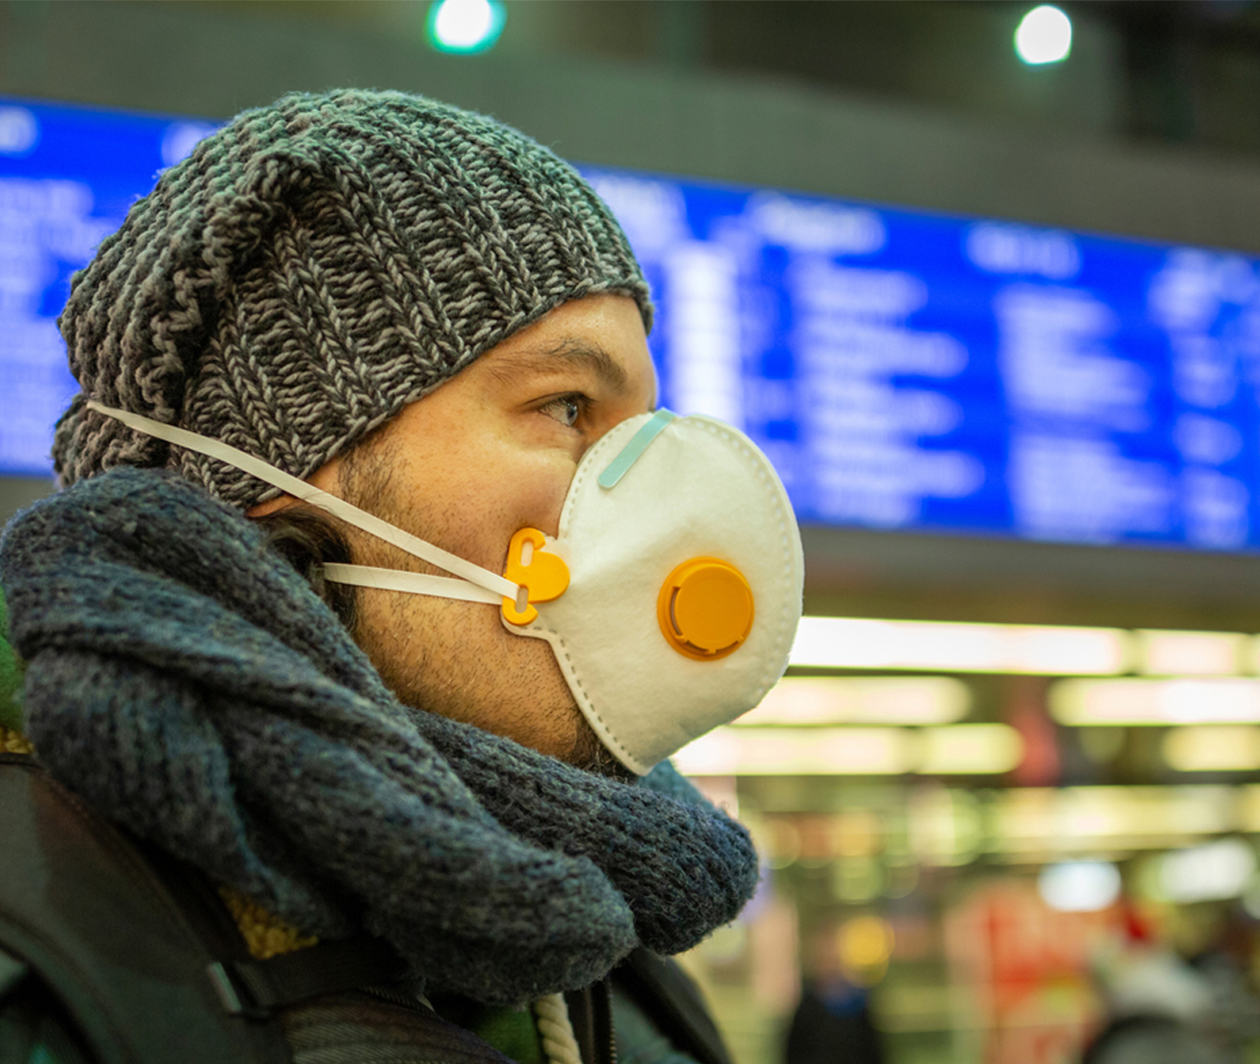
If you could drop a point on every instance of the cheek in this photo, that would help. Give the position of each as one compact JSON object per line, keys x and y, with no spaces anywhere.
{"x":540,"y":502}
{"x":485,"y":510}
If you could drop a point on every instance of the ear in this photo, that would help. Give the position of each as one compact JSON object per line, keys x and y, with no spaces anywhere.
{"x":271,"y":506}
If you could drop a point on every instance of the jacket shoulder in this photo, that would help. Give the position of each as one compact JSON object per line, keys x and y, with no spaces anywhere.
{"x":86,"y":914}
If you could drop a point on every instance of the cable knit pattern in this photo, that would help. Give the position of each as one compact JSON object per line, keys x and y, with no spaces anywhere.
{"x":313,"y":267}
{"x":187,"y":681}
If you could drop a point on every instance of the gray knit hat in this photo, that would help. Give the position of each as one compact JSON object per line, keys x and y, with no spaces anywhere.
{"x":312,"y":268}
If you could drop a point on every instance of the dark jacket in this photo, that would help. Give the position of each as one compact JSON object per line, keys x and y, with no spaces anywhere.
{"x":111,"y":952}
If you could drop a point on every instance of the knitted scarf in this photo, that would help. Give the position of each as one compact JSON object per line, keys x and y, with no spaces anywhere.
{"x":186,"y":680}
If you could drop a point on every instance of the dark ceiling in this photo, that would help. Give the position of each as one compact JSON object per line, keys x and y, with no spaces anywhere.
{"x":1185,"y":72}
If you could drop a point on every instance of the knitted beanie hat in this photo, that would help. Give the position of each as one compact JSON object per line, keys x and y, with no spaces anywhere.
{"x":313,"y":267}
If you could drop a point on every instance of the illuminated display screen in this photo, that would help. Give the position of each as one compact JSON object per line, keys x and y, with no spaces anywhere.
{"x":904,"y":370}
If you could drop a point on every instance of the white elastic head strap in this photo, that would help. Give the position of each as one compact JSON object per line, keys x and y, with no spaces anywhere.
{"x":476,"y":584}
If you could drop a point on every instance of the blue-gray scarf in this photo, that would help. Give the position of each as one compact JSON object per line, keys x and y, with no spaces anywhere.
{"x":186,"y":681}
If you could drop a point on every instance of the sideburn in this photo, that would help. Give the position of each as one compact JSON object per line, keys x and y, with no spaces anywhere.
{"x":308,"y":539}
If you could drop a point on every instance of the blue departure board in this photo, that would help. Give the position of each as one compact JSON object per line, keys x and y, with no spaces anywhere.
{"x":904,"y":370}
{"x":67,"y":177}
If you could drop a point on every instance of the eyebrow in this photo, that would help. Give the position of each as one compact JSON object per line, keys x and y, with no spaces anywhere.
{"x":572,"y":352}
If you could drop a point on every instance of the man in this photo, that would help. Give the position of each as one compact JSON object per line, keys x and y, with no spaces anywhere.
{"x":421,"y":822}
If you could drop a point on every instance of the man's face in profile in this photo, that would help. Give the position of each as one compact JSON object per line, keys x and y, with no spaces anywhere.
{"x":488,"y":452}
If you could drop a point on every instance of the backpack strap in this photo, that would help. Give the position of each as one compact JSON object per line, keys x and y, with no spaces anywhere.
{"x":137,"y":948}
{"x":668,"y":996}
{"x":257,"y":989}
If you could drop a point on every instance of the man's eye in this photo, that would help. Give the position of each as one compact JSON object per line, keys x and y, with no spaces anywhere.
{"x":566,"y":408}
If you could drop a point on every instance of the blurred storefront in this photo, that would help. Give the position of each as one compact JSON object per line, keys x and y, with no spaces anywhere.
{"x":994,"y":867}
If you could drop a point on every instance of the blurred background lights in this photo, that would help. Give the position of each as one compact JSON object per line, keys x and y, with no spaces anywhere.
{"x":1047,"y":650}
{"x":1135,"y":701}
{"x":1213,"y":749}
{"x":1175,"y":653}
{"x":800,"y":752}
{"x":465,"y":26}
{"x":19,"y":131}
{"x":1079,"y":886}
{"x":1044,"y":35}
{"x":907,"y":700}
{"x":969,"y":749}
{"x":948,"y":750}
{"x":864,"y":945}
{"x":1212,"y":872}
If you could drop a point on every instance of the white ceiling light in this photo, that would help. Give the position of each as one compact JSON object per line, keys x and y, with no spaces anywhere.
{"x":940,"y":646}
{"x":1073,"y":820}
{"x":1170,"y":653}
{"x":807,"y":700}
{"x":799,"y":752}
{"x":1135,"y":702}
{"x":956,"y":749}
{"x":465,"y":25}
{"x":1044,"y":35}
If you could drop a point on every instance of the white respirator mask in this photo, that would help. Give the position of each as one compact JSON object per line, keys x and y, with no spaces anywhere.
{"x":670,"y":595}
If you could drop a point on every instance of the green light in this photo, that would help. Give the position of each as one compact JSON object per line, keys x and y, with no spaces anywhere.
{"x":465,"y":26}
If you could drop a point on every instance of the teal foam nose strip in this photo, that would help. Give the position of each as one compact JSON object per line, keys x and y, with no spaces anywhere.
{"x":633,"y":450}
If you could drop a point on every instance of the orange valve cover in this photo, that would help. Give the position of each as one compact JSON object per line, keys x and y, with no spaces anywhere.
{"x":705,"y":608}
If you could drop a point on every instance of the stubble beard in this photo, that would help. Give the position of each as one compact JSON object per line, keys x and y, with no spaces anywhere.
{"x":420,"y":644}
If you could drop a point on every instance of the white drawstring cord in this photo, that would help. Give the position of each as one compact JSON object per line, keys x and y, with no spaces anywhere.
{"x":556,"y":1031}
{"x":483,"y":579}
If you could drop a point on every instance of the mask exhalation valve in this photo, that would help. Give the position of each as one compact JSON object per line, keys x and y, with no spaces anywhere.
{"x":705,"y":608}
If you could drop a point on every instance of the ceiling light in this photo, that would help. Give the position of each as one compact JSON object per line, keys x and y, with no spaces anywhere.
{"x":1213,"y":749}
{"x":1033,"y":819}
{"x":1136,"y":702}
{"x":1044,"y":35}
{"x":956,"y":749}
{"x":465,"y":26}
{"x":799,"y":752}
{"x":1169,"y":653}
{"x":969,"y":749}
{"x":806,"y":700}
{"x":938,"y":646}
